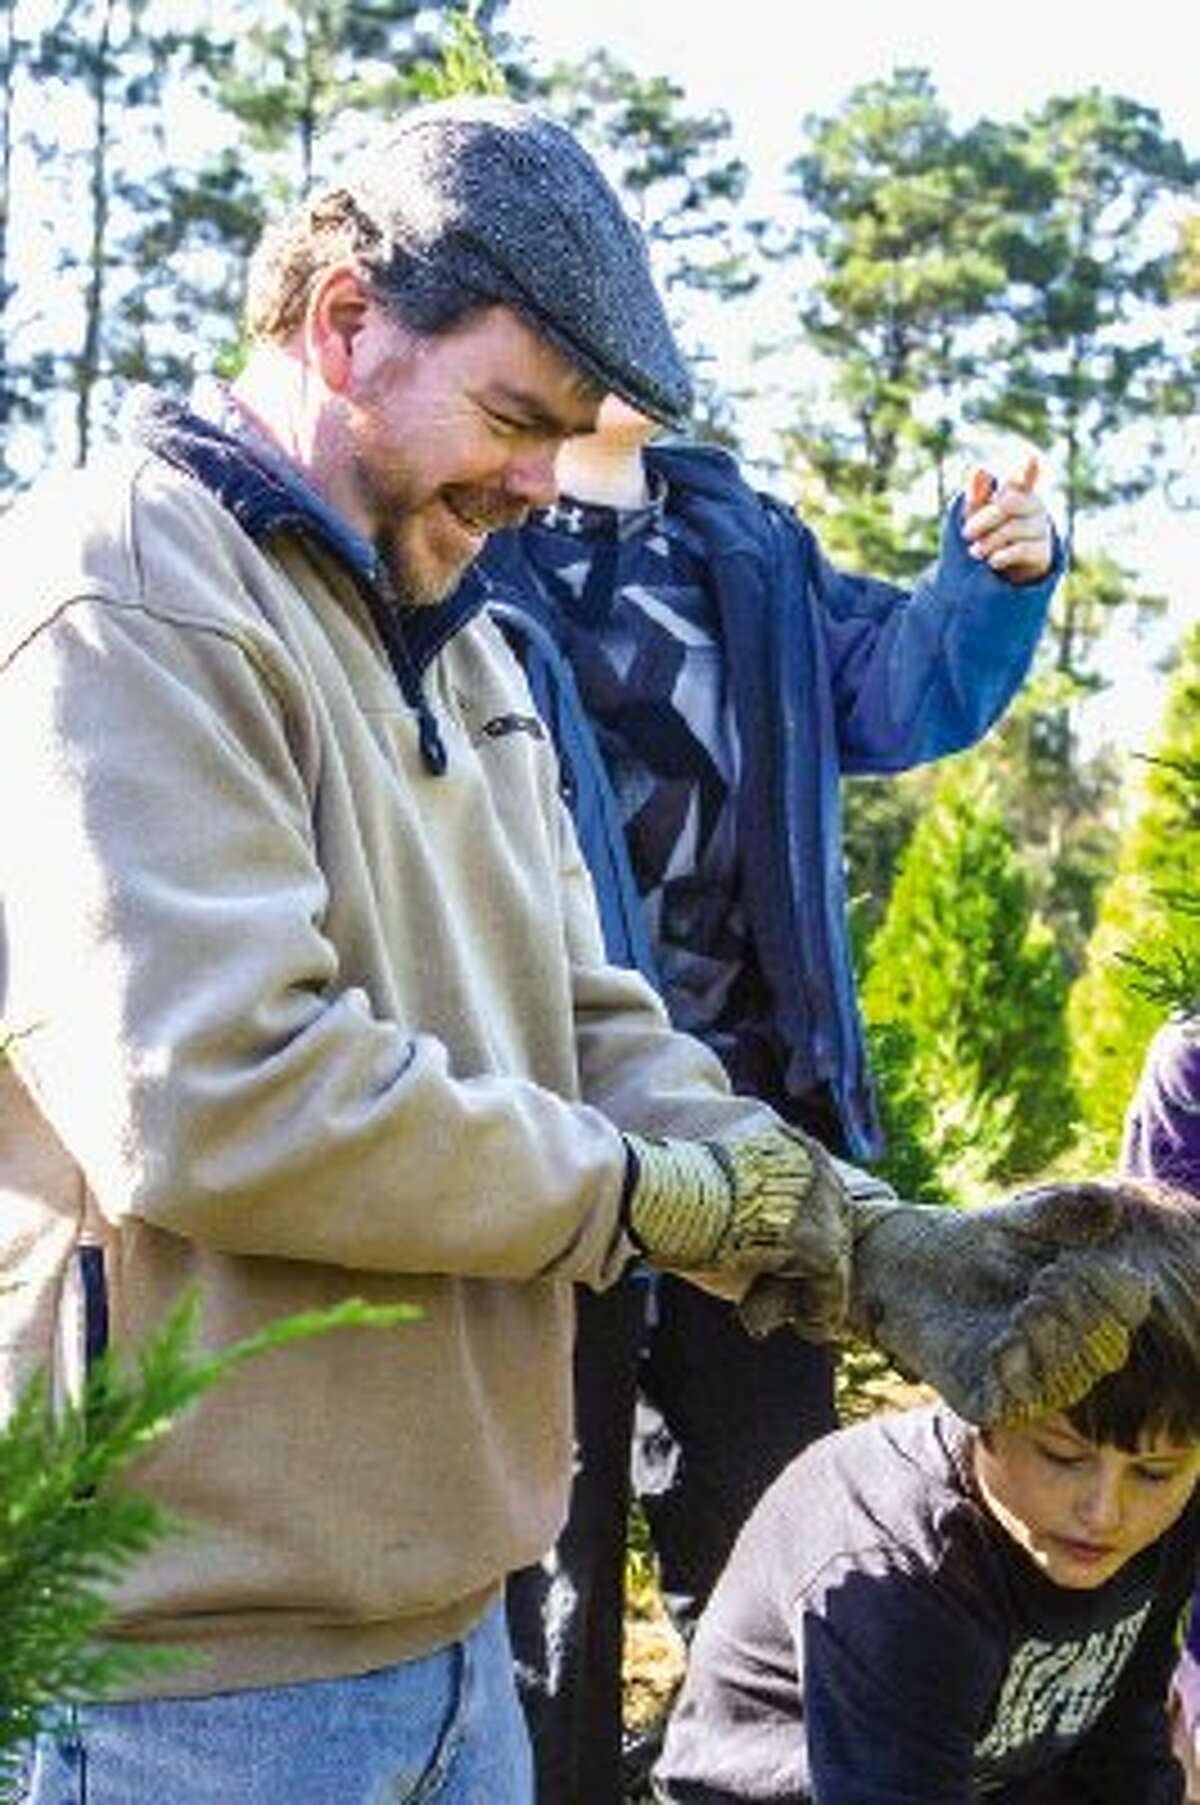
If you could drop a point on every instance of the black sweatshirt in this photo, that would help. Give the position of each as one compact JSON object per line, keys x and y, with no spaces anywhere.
{"x":878,"y":1639}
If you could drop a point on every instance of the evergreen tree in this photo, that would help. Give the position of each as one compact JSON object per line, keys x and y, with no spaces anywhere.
{"x":910,"y":1118}
{"x":1063,"y":822}
{"x":1183,"y":490}
{"x":907,"y":223}
{"x":11,"y":51}
{"x":105,"y":65}
{"x":1146,"y":946}
{"x":1064,"y":826}
{"x":878,"y":817}
{"x":1078,"y":347}
{"x":299,"y":74}
{"x":466,"y":62}
{"x":1097,"y":370}
{"x":964,"y":967}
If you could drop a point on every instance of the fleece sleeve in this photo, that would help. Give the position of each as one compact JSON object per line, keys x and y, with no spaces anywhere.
{"x":188,"y":1021}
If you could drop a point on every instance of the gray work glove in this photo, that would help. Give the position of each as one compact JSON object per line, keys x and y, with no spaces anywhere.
{"x":1009,"y":1310}
{"x":769,"y":1201}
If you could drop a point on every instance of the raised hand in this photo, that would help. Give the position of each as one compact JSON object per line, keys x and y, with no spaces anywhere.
{"x":1007,"y":524}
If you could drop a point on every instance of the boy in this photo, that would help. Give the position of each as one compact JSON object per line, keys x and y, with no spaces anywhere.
{"x":922,"y":1611}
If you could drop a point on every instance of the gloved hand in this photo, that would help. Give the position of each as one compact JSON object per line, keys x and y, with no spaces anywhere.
{"x":1009,"y":1310}
{"x":770,"y":1201}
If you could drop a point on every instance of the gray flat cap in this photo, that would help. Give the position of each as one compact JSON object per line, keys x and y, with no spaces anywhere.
{"x":512,"y":207}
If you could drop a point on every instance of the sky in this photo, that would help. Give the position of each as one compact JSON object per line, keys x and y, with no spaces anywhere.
{"x":768,"y":73}
{"x":769,"y":65}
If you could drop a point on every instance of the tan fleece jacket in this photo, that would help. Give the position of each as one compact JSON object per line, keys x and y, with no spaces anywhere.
{"x":303,"y":1022}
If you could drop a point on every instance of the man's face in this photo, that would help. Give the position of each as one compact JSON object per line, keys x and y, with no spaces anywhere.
{"x":1082,"y":1509}
{"x":435,"y":442}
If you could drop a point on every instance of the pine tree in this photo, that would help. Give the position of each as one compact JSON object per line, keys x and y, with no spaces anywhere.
{"x":906,"y":220}
{"x":1097,"y":369}
{"x":966,"y":970}
{"x":466,"y":62}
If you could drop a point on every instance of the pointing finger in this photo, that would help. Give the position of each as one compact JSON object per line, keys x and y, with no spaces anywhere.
{"x":1026,"y":477}
{"x":980,"y":486}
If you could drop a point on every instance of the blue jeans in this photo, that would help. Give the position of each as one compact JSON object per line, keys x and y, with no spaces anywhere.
{"x":444,"y":1730}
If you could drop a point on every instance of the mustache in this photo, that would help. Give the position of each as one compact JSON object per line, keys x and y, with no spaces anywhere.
{"x":483,"y":509}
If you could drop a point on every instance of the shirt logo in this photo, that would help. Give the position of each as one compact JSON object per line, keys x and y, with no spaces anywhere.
{"x":563,"y":514}
{"x":1059,"y":1689}
{"x":501,"y":725}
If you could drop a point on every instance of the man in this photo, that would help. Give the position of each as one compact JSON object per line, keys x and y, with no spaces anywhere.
{"x":709,"y":678}
{"x":308,"y":995}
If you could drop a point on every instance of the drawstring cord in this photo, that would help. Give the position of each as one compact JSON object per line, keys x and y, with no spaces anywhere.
{"x":380,"y":601}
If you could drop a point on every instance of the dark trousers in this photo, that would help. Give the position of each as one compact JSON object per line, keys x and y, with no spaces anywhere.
{"x":673,"y":1398}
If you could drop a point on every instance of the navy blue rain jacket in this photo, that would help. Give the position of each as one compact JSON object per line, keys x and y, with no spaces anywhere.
{"x":829,"y":675}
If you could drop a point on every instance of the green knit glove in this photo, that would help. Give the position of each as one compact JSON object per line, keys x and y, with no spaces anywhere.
{"x":1010,"y":1310}
{"x":770,"y":1201}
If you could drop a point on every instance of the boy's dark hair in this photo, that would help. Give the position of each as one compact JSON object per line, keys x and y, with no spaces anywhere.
{"x":1157,"y":1391}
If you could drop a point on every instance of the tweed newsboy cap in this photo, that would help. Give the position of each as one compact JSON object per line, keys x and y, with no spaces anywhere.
{"x":508,"y":204}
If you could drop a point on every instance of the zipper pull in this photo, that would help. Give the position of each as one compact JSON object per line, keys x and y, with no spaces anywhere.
{"x":433,"y":747}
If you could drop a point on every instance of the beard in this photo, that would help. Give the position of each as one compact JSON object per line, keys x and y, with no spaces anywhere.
{"x":428,"y":549}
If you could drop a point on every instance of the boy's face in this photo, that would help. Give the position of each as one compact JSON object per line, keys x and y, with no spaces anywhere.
{"x":1081,"y":1509}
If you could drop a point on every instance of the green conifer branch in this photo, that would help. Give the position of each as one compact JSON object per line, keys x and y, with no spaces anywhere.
{"x":66,"y":1534}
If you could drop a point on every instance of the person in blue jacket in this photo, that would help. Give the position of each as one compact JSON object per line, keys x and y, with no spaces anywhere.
{"x":709,"y":677}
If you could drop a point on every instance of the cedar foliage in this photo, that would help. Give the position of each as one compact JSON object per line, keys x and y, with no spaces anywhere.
{"x":964,"y":968}
{"x":67,"y":1532}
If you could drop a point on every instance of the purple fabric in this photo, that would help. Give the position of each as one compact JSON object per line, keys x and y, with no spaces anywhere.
{"x":1162,"y":1139}
{"x":1162,"y":1128}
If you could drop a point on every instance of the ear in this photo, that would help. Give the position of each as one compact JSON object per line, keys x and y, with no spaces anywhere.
{"x":337,"y":312}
